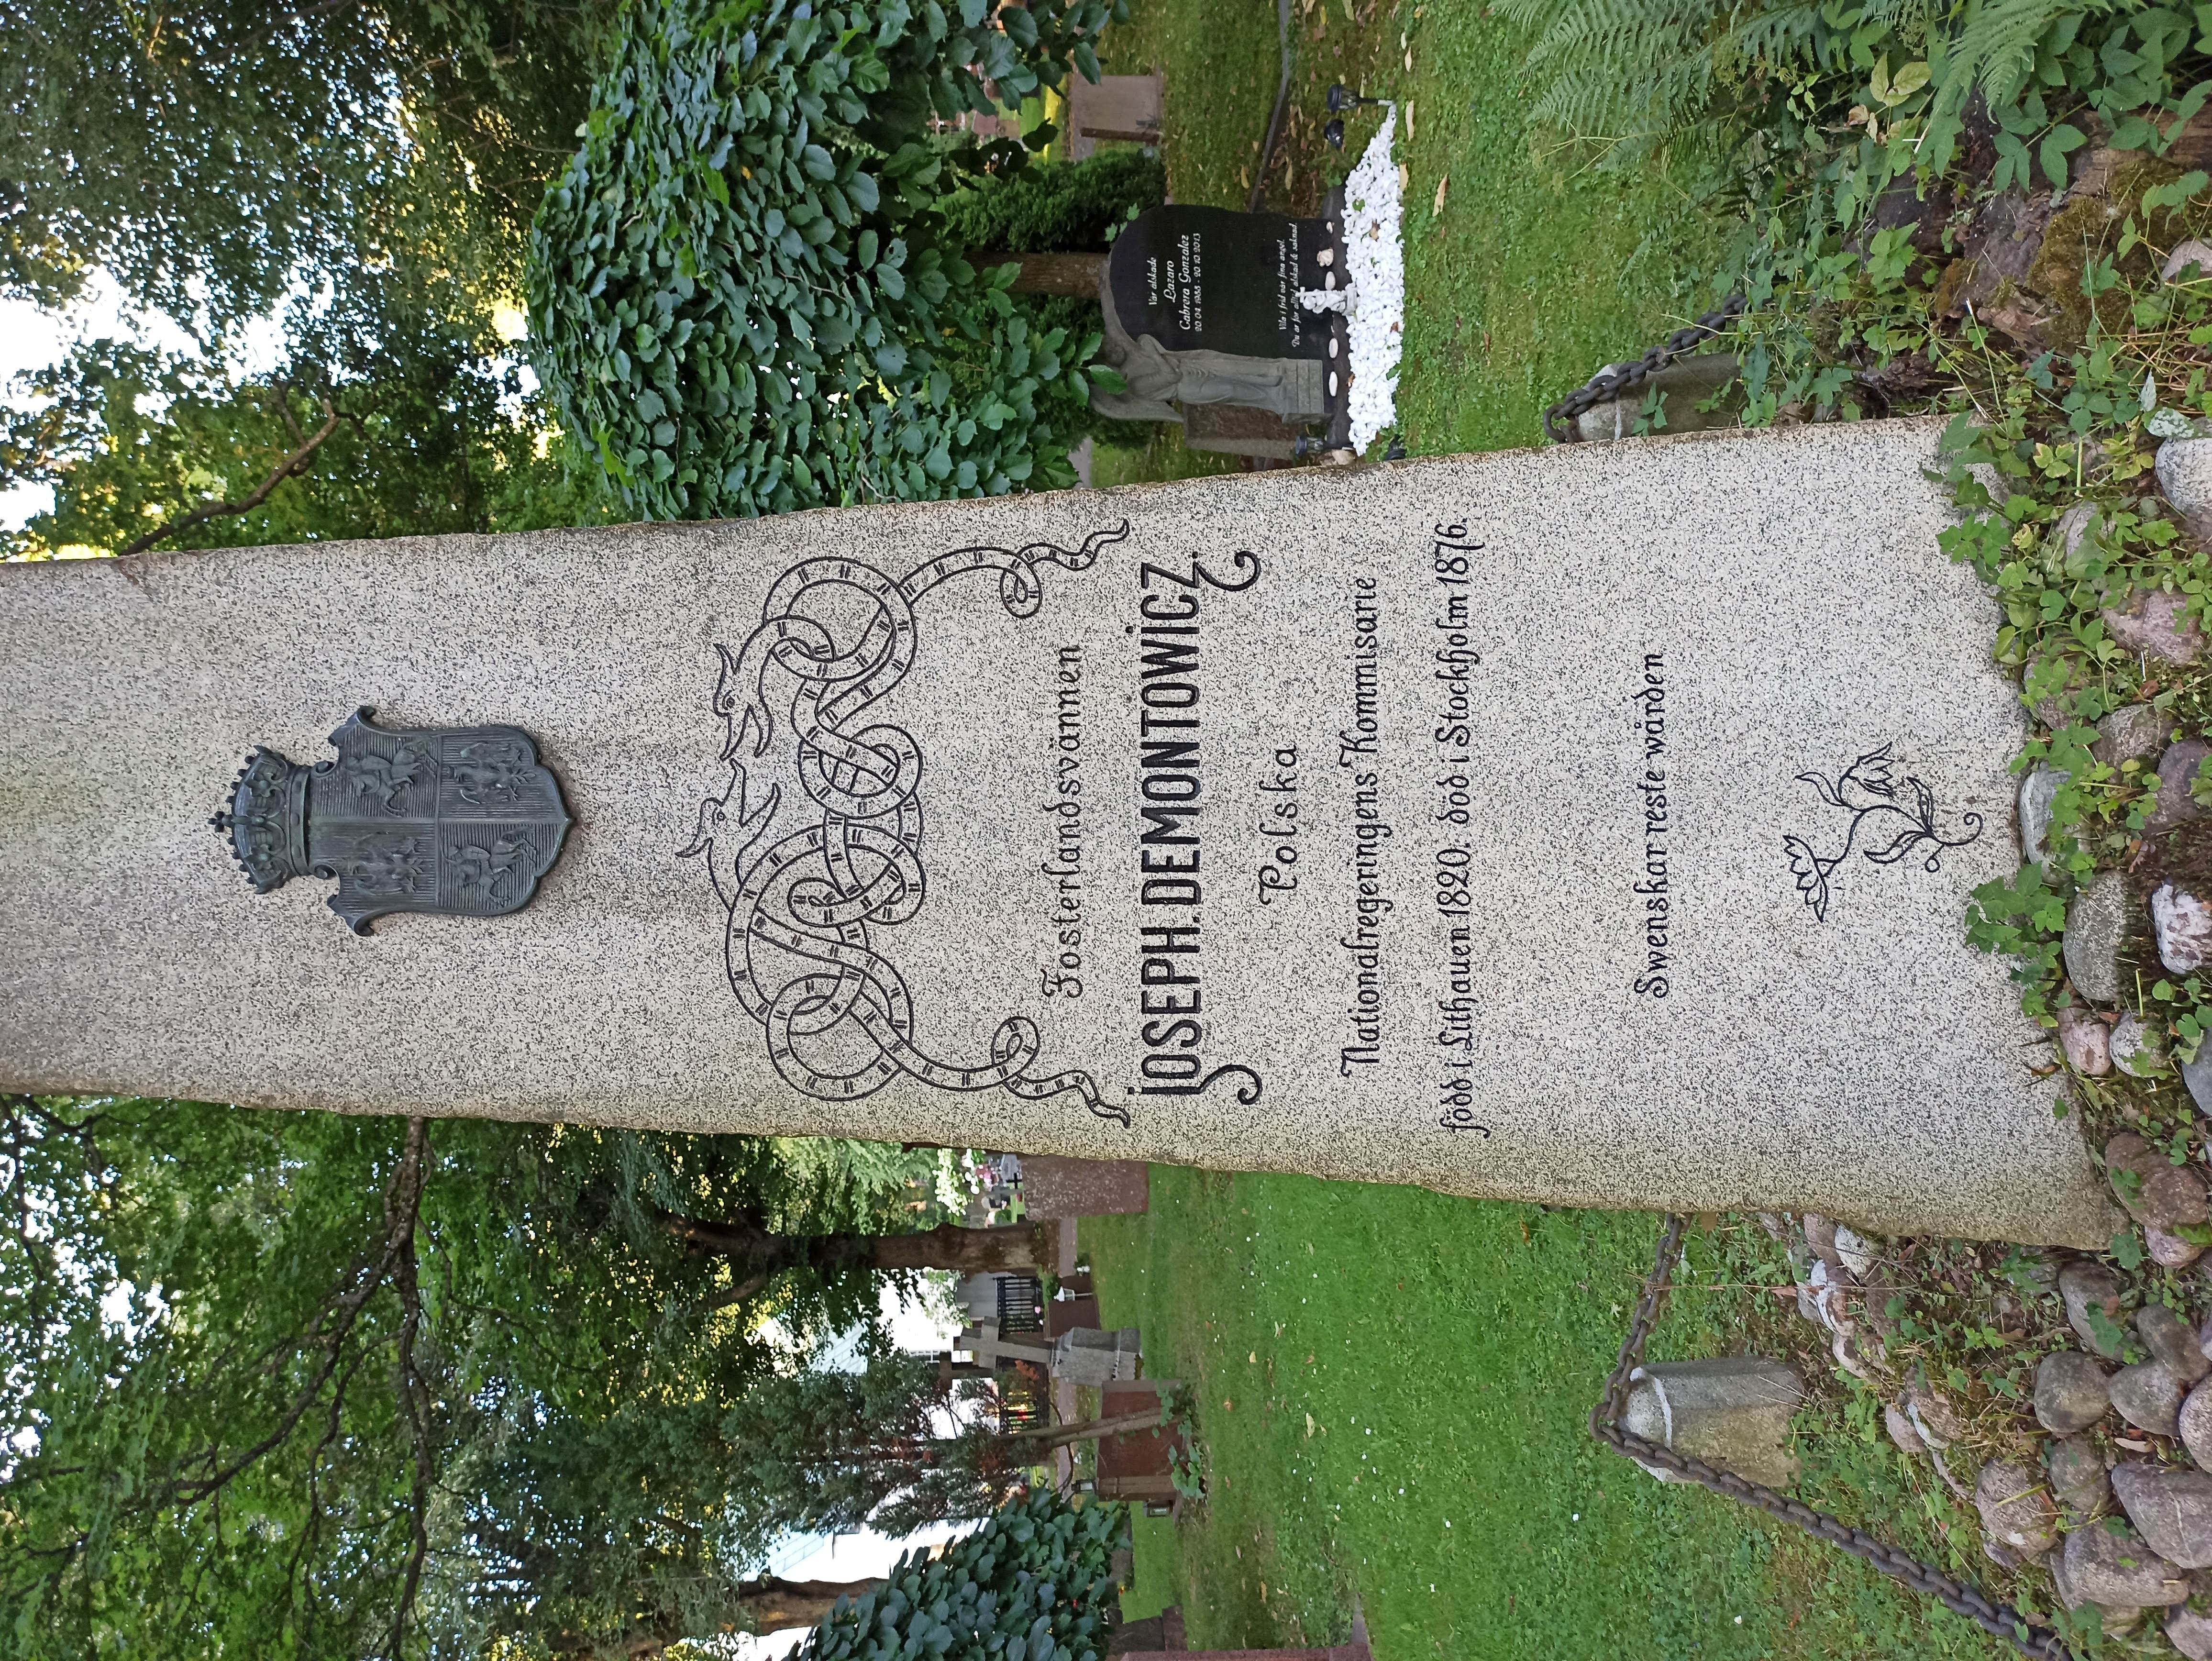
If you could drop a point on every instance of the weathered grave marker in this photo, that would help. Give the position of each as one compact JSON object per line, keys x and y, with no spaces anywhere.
{"x":1591,"y":825}
{"x":1200,"y":307}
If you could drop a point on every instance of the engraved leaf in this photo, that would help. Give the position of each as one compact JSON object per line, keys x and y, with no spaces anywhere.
{"x":1812,"y":873}
{"x":1897,"y":850}
{"x":1820,"y":782}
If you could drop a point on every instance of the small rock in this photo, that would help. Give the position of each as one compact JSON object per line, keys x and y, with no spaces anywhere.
{"x":2134,"y":732}
{"x":2087,"y":1041}
{"x":2048,"y":709}
{"x":1901,"y":1430}
{"x":2096,"y":927}
{"x":2075,"y":526}
{"x":1733,"y":1412}
{"x":2138,"y":1047}
{"x":2077,"y":1475}
{"x":2070,"y":1393}
{"x":2169,"y":1250}
{"x":2185,"y":254}
{"x":2183,"y":927}
{"x":2015,"y":1507}
{"x":2003,"y":1556}
{"x":2116,"y":1618}
{"x":1874,"y":1304}
{"x":2039,"y":790}
{"x":2173,"y":1508}
{"x":2197,"y":1425}
{"x":2034,"y":1269}
{"x":2177,"y":772}
{"x":2108,"y":1563}
{"x":1820,"y":1237}
{"x":2086,"y":1285}
{"x":2196,"y":1074}
{"x":2189,"y":1632}
{"x":2162,"y":1193}
{"x":1856,"y":1251}
{"x":2185,"y":473}
{"x":2172,"y":1339}
{"x":2148,"y":1396}
{"x":1826,"y":1284}
{"x":1931,"y":1412}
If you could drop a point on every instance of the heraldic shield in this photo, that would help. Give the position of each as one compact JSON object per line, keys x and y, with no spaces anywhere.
{"x":463,"y":820}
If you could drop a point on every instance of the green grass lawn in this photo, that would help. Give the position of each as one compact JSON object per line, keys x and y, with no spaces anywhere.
{"x":1538,"y":270}
{"x":1445,"y":1353}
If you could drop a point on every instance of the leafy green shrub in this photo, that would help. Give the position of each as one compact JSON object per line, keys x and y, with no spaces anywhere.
{"x":739,"y":290}
{"x":1806,"y":111}
{"x":1055,"y":206}
{"x":1031,"y":1584}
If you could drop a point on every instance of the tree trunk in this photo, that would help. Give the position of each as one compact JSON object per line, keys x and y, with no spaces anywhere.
{"x":965,"y":1251}
{"x":772,"y":1604}
{"x":1044,"y":1440}
{"x":1073,"y":275}
{"x":1016,"y":1248}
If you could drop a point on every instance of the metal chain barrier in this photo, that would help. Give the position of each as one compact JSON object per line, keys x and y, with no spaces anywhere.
{"x":2000,"y":1620}
{"x":1612,"y":381}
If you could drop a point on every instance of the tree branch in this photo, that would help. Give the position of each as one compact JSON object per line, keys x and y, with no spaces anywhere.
{"x":284,"y":470}
{"x":413,"y":1397}
{"x":1089,"y":1430}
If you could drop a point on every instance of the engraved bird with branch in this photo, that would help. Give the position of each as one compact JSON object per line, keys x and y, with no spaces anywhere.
{"x":1866,"y":791}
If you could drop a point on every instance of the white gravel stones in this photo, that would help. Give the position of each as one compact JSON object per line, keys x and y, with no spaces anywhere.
{"x":2185,"y":929}
{"x":1375,"y":267}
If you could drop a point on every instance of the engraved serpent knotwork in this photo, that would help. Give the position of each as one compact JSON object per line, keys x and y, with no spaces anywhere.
{"x":808,"y":905}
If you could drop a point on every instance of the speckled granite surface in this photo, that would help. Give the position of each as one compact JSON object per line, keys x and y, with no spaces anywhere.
{"x":1440,"y":777}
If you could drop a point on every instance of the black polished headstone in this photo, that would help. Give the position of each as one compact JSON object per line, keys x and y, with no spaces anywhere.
{"x":1210,"y":279}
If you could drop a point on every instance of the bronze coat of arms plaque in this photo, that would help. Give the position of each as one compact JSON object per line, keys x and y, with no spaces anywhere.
{"x":463,"y":820}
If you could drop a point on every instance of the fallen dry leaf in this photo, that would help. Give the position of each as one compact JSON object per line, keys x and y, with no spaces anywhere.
{"x":1443,"y":185}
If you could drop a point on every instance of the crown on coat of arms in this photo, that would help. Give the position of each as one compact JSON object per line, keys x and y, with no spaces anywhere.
{"x":266,"y":822}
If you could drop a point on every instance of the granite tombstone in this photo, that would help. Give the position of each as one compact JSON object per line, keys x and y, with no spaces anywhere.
{"x":1591,"y":825}
{"x":1200,"y":307}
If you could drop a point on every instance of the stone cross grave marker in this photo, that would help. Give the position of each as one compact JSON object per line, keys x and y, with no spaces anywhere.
{"x":1592,"y":825}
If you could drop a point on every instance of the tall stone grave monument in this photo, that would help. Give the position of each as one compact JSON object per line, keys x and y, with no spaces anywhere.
{"x":1592,"y":825}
